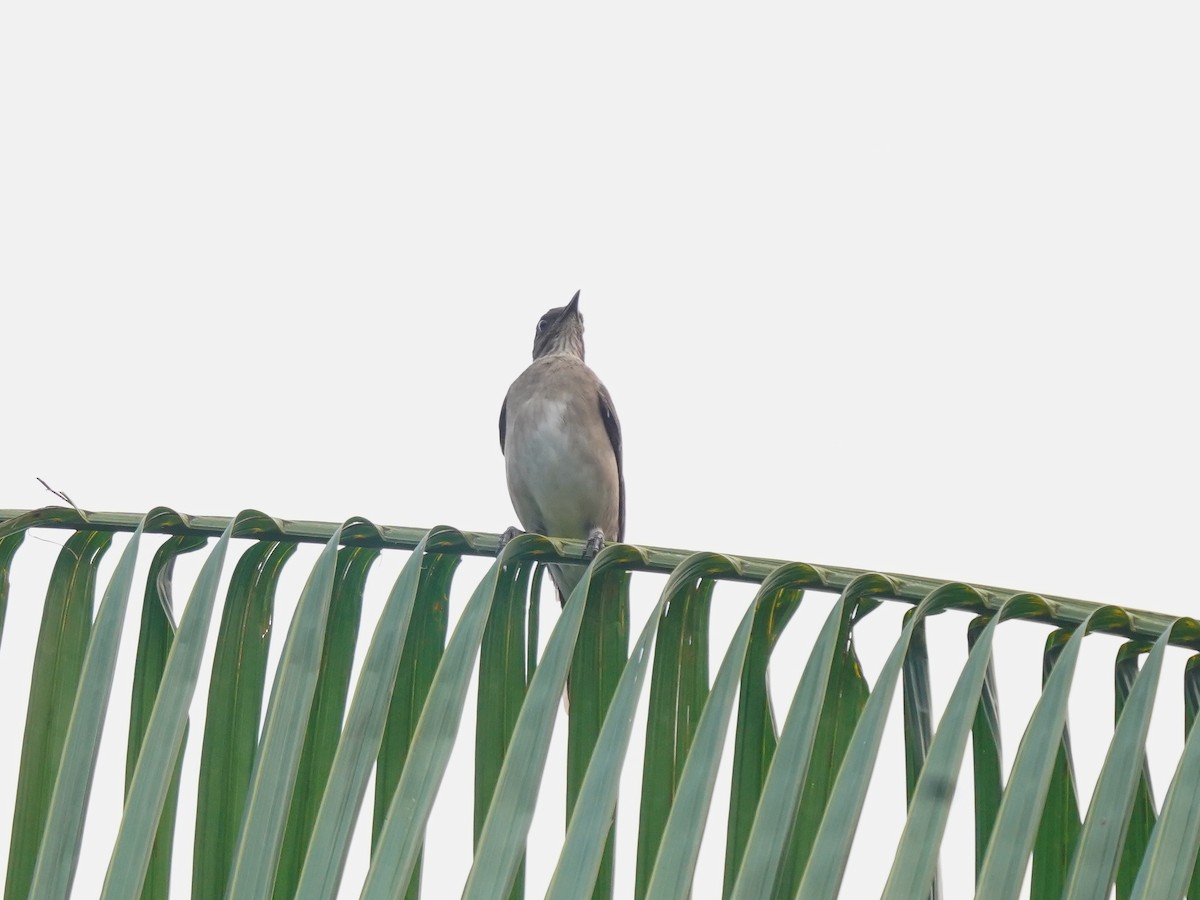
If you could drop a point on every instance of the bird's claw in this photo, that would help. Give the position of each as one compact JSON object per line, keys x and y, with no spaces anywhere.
{"x":595,"y":543}
{"x":510,"y":532}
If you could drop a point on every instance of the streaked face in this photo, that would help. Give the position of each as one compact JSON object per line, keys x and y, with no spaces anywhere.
{"x":560,"y":330}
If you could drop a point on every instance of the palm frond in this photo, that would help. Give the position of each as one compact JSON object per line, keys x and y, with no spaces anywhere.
{"x":279,"y":795}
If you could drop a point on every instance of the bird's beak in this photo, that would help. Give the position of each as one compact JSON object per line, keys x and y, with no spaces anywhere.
{"x":572,"y":308}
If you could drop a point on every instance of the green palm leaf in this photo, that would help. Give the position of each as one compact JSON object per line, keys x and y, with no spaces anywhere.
{"x":278,"y":800}
{"x":57,"y":663}
{"x":275,"y":765}
{"x":590,"y":822}
{"x":363,"y":732}
{"x":235,"y":697}
{"x":68,"y":802}
{"x":1166,"y":868}
{"x":1095,"y":864}
{"x":776,"y":818}
{"x":403,"y":828}
{"x":915,"y":862}
{"x":156,"y":762}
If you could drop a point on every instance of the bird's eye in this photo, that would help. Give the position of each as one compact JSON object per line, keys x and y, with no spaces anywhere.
{"x":542,"y":325}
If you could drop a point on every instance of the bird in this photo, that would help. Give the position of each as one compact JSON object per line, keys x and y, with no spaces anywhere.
{"x":561,"y":441}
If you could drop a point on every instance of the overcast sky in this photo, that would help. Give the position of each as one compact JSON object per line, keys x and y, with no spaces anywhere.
{"x":906,"y":287}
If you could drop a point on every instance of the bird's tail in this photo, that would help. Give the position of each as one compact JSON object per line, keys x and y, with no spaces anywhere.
{"x":566,"y":578}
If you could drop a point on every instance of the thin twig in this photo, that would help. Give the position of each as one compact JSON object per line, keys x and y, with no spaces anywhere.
{"x":61,"y":496}
{"x":55,"y":543}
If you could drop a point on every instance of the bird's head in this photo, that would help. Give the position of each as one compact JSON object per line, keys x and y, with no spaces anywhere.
{"x":560,"y":331}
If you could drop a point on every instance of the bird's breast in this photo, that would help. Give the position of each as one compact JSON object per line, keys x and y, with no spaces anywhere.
{"x":562,"y":471}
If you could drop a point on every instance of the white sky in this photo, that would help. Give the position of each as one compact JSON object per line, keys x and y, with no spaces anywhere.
{"x":900,"y":286}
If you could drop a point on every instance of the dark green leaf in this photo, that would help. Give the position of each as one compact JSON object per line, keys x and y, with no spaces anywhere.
{"x":424,"y":643}
{"x":154,"y":644}
{"x":918,"y":718}
{"x":399,"y":844}
{"x":57,"y":662}
{"x":8,"y":546}
{"x":590,"y":824}
{"x":601,"y":652}
{"x":503,"y":658}
{"x":1098,"y":850}
{"x":1169,"y":859}
{"x":1029,"y":782}
{"x":231,"y":723}
{"x":678,"y":690}
{"x":985,"y":751}
{"x":771,"y":833}
{"x":1143,"y":815}
{"x":272,"y":781}
{"x":914,"y":866}
{"x":1060,"y":824}
{"x":845,"y":697}
{"x":502,"y":842}
{"x":58,"y":855}
{"x":680,"y":847}
{"x":363,"y":731}
{"x":755,"y":734}
{"x":832,"y":840}
{"x":149,"y":805}
{"x":325,"y":715}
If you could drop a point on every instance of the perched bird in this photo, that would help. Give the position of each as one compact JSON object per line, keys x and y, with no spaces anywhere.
{"x":562,"y":445}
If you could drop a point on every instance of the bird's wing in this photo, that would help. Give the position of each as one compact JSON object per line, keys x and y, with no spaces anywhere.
{"x":608,"y":414}
{"x":503,"y":423}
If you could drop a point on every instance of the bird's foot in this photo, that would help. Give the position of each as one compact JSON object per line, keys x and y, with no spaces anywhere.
{"x":510,"y":532}
{"x":595,"y":543}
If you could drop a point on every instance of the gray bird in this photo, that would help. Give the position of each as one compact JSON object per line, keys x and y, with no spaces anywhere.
{"x":562,"y":445}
